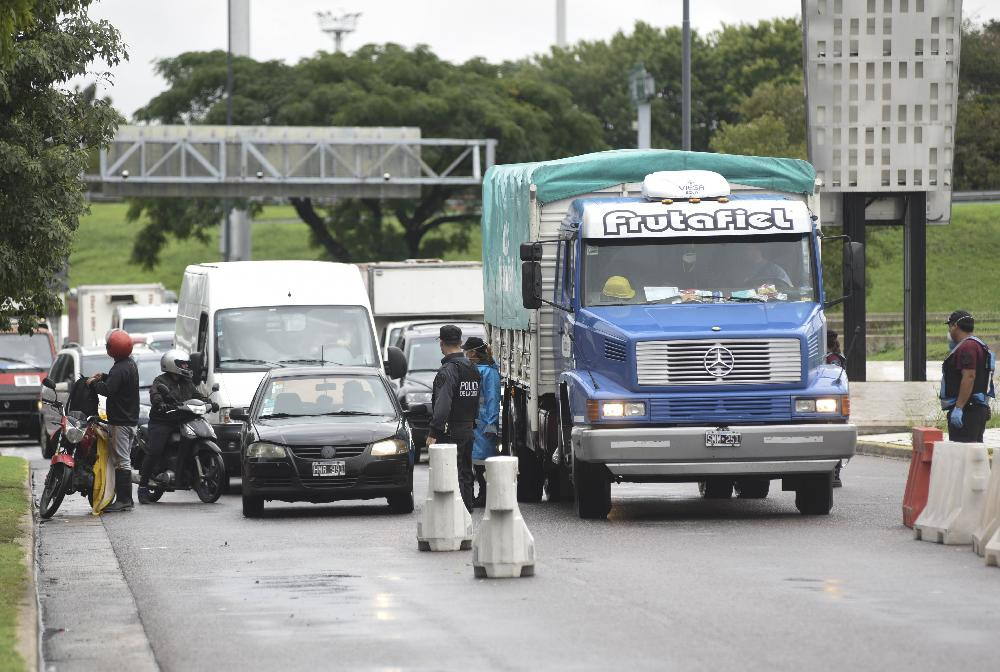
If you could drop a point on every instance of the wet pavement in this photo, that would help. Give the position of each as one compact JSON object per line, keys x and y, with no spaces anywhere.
{"x":669,"y":581}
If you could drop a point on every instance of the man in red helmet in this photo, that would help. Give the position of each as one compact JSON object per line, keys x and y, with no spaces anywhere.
{"x":121,"y":387}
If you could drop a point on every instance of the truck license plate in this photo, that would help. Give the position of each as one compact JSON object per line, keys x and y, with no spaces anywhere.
{"x":8,"y":424}
{"x":338,"y":468}
{"x":723,"y":438}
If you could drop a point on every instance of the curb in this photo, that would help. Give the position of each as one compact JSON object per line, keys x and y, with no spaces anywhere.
{"x":27,"y":637}
{"x":883,"y":450}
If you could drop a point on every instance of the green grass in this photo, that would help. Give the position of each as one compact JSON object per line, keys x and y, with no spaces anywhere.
{"x":13,"y":572}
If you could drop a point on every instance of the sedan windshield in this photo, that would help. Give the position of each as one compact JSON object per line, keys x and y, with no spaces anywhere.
{"x":25,"y":351}
{"x":265,"y":338}
{"x":690,"y":270}
{"x":325,"y":395}
{"x":424,"y":355}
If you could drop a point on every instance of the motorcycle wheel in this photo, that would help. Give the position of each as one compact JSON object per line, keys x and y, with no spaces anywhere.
{"x":210,"y":486}
{"x":155,"y":494}
{"x":56,"y":483}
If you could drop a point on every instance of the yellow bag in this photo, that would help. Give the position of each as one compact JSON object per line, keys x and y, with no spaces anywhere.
{"x":104,"y":474}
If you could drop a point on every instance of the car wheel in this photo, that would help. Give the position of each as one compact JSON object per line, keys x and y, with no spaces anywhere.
{"x":752,"y":488}
{"x":253,"y":507}
{"x":814,"y":495}
{"x":401,"y":502}
{"x":716,"y":488}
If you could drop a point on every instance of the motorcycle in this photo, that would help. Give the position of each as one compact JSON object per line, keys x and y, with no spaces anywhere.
{"x":191,"y":459}
{"x":72,"y":466}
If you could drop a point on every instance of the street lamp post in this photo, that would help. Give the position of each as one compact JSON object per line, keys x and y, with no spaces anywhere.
{"x":641,"y":91}
{"x":336,"y":26}
{"x":686,"y":79}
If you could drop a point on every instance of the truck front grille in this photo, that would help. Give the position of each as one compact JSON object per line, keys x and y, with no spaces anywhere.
{"x":704,"y":410}
{"x":709,"y":362}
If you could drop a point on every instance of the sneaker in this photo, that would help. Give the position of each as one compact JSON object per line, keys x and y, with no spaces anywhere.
{"x":114,"y":507}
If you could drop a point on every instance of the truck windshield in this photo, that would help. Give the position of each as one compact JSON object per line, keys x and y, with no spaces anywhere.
{"x":248,"y":339}
{"x":25,"y":351}
{"x":147,"y":325}
{"x":695,"y":270}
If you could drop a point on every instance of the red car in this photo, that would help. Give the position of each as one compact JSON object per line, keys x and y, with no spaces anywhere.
{"x":24,"y":361}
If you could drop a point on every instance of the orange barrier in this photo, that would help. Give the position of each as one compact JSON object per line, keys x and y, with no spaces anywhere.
{"x":919,"y":478}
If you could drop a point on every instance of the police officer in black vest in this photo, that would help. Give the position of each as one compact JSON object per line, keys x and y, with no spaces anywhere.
{"x":455,"y":403}
{"x":966,"y":381}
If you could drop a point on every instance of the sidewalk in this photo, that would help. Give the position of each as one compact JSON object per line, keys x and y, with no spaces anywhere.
{"x":899,"y":444}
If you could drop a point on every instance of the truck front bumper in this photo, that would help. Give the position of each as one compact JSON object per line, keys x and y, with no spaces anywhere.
{"x":680,"y":453}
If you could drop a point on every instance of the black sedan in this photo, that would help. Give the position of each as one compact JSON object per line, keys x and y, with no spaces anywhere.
{"x":325,"y":434}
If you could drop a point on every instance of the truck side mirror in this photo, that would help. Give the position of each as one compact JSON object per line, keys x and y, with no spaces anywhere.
{"x":856,"y":266}
{"x":531,"y":285}
{"x":198,"y":367}
{"x":395,"y":362}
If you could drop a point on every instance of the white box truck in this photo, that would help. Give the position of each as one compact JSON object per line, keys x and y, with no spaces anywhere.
{"x":91,"y":308}
{"x":402,"y":292}
{"x":242,"y":319}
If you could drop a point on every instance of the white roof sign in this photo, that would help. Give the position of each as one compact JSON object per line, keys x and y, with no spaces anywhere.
{"x":708,"y":218}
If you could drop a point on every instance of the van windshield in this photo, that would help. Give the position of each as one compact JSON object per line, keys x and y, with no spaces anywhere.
{"x":147,"y":325}
{"x":25,"y":351}
{"x":690,"y":270}
{"x":254,"y":339}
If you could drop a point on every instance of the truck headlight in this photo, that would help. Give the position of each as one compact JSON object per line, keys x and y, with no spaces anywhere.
{"x":623,"y":409}
{"x":388,"y":447}
{"x":825,"y":405}
{"x":265,"y":450}
{"x":418,"y":398}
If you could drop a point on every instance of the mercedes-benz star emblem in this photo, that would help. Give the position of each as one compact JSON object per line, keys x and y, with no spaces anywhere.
{"x":719,"y":361}
{"x":327,"y":452}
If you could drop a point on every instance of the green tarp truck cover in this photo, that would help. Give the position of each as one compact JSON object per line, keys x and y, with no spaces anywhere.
{"x":507,"y":207}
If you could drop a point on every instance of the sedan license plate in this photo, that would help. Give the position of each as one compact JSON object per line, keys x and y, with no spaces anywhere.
{"x":723,"y":438}
{"x":8,"y":424}
{"x":338,"y":468}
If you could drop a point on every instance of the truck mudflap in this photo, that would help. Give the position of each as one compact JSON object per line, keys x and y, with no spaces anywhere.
{"x":691,"y":451}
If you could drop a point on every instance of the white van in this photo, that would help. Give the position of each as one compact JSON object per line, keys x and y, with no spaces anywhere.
{"x":241,"y":319}
{"x":136,"y":319}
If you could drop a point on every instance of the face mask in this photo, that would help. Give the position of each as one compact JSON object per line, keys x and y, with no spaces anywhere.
{"x":952,"y":343}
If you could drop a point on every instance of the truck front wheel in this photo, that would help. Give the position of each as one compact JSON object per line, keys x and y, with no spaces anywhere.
{"x":591,"y":490}
{"x":716,"y":488}
{"x":814,"y":495}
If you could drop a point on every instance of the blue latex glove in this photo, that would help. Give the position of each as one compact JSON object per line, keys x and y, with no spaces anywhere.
{"x":956,"y":417}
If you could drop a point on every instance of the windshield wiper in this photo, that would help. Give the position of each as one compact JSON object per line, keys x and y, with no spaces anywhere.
{"x":309,"y":360}
{"x":280,"y":415}
{"x":350,"y":413}
{"x":11,"y":359}
{"x":238,"y":360}
{"x":747,"y":299}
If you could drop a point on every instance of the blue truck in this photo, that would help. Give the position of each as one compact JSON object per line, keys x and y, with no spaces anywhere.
{"x":658,"y":316}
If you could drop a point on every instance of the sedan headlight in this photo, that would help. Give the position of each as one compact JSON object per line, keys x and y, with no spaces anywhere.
{"x":265,"y":450}
{"x":418,"y":398}
{"x":388,"y":447}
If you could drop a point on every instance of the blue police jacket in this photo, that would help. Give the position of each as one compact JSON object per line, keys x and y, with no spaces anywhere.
{"x":489,"y":412}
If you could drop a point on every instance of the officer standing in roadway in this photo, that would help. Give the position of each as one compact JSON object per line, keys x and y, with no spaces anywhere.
{"x":966,"y":381}
{"x":455,"y":405}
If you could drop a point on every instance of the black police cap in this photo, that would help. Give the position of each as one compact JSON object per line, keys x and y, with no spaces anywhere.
{"x":963,"y":319}
{"x":473,"y":343}
{"x":450,"y":334}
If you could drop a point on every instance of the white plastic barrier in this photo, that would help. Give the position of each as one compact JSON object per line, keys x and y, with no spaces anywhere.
{"x":503,"y":546}
{"x":989,"y":521}
{"x":957,"y":493}
{"x":445,"y":523}
{"x":992,"y":551}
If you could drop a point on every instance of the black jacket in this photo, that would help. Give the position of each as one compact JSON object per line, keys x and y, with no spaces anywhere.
{"x":455,"y":398}
{"x":180,"y":389}
{"x":121,"y":387}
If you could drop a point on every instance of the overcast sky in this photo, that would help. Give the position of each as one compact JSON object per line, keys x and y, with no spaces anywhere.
{"x":454,"y":29}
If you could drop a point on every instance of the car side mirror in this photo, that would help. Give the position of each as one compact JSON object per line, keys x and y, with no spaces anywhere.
{"x":239,"y":413}
{"x":417,"y":409}
{"x":48,"y":383}
{"x":395,"y":362}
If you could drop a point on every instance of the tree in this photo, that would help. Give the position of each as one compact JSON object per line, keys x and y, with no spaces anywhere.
{"x":977,"y":144}
{"x":378,"y":85}
{"x":772,"y":123}
{"x":15,"y":16}
{"x":45,"y":133}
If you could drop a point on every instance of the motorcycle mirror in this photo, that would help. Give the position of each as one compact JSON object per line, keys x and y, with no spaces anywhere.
{"x":48,"y":383}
